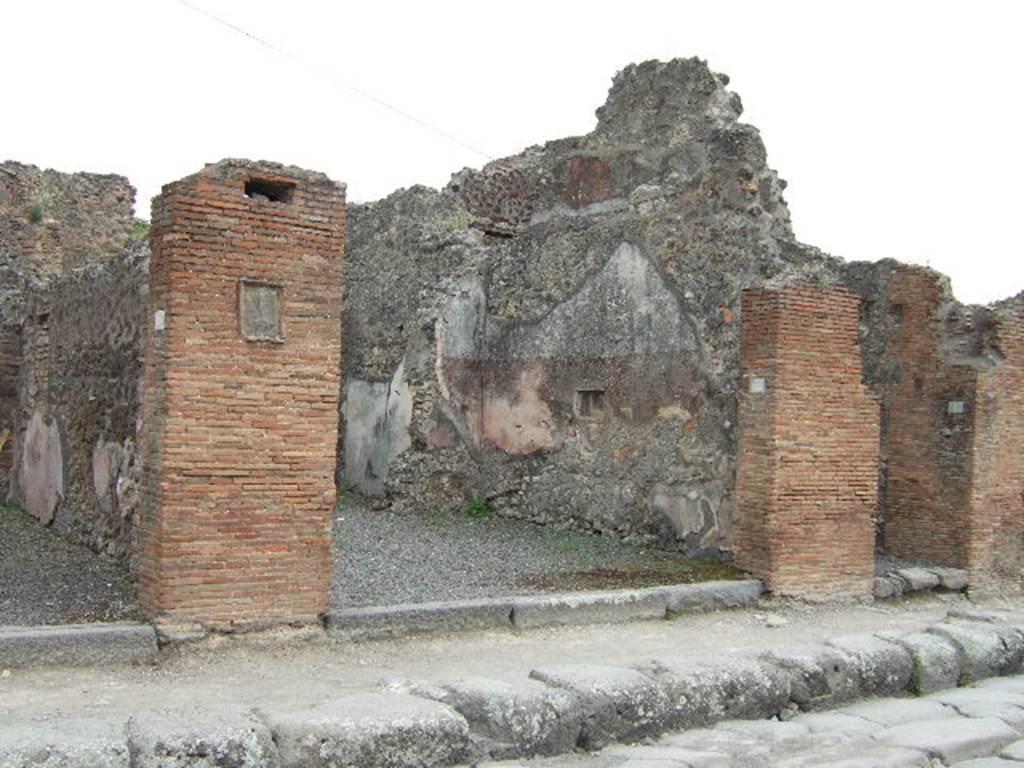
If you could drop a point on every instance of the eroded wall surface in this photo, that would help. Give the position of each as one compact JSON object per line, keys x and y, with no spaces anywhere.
{"x":72,"y":281}
{"x":564,"y":322}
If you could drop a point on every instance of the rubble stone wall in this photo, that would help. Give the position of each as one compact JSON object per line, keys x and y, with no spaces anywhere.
{"x":72,"y":281}
{"x":78,"y":404}
{"x":808,"y":444}
{"x":242,"y":378}
{"x":557,"y":332}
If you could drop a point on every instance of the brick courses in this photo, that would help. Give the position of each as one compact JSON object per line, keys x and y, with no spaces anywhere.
{"x":954,"y":431}
{"x":240,"y":435}
{"x":808,"y":444}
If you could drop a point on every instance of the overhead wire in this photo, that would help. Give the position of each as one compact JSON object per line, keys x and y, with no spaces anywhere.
{"x":334,"y":78}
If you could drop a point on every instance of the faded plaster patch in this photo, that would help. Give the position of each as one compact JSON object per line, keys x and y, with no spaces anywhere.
{"x":41,"y":472}
{"x":700,"y":516}
{"x":106,"y":462}
{"x":459,"y":328}
{"x":624,"y":309}
{"x":377,"y":418}
{"x":522,"y":423}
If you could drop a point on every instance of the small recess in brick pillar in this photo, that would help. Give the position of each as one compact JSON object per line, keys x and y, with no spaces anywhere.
{"x":259,"y":310}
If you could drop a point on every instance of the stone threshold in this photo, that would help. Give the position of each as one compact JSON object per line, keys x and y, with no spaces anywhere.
{"x":903,"y":581}
{"x":534,"y":611}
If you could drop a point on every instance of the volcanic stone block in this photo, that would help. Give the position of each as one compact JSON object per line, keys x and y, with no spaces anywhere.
{"x":369,"y":730}
{"x":618,"y":704}
{"x":519,"y":719}
{"x":200,"y":737}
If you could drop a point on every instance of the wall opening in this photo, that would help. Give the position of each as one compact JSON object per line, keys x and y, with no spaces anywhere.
{"x":590,"y":403}
{"x":277,"y":191}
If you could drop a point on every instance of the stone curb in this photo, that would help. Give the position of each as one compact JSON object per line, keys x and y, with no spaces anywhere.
{"x":911,"y":579}
{"x":584,"y":705}
{"x":78,"y":645}
{"x":560,"y":609}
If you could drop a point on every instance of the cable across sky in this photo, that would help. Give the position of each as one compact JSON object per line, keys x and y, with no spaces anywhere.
{"x":334,"y":78}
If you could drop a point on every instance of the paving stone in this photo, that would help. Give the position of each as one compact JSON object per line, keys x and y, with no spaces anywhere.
{"x":883,"y":668}
{"x":712,"y":595}
{"x":986,"y":650}
{"x":374,"y":729}
{"x":588,"y":608}
{"x":977,"y":614}
{"x":860,"y":757}
{"x":953,"y":579}
{"x":917,"y":579}
{"x":701,"y":694}
{"x":1012,"y":715}
{"x":936,"y":660}
{"x":1012,"y":684}
{"x":1014,"y":751}
{"x":890,"y":712}
{"x":835,"y":723}
{"x":958,"y":697}
{"x":756,"y":743}
{"x":618,"y":704}
{"x":666,"y":756}
{"x":380,"y":622}
{"x":200,"y":737}
{"x":71,"y":744}
{"x":951,"y":739}
{"x":887,"y":586}
{"x":519,"y":719}
{"x":820,"y":677}
{"x":775,"y":731}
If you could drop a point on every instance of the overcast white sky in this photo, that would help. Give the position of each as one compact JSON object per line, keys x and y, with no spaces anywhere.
{"x":897,"y":124}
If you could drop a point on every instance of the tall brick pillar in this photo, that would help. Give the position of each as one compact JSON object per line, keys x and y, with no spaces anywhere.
{"x":807,"y":481}
{"x":240,"y":410}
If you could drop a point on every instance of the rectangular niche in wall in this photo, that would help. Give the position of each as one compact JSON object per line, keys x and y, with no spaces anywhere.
{"x":259,"y":310}
{"x":590,"y":403}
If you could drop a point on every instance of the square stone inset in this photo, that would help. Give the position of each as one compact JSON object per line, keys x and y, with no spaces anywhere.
{"x":259,"y":310}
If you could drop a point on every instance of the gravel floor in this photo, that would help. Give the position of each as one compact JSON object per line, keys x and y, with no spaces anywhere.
{"x":47,"y":580}
{"x":383,"y":557}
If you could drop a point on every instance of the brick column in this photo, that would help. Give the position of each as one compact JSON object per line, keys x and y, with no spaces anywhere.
{"x":807,"y":482}
{"x":240,"y":410}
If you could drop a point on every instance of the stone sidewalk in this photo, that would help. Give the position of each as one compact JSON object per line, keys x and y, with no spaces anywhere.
{"x":304,"y":700}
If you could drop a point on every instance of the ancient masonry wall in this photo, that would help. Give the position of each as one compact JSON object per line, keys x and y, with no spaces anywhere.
{"x":241,"y":396}
{"x":557,"y":331}
{"x":953,"y":437}
{"x":807,"y":445}
{"x":78,"y":404}
{"x":929,"y":430}
{"x":996,"y":549}
{"x":10,"y":363}
{"x":71,"y":277}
